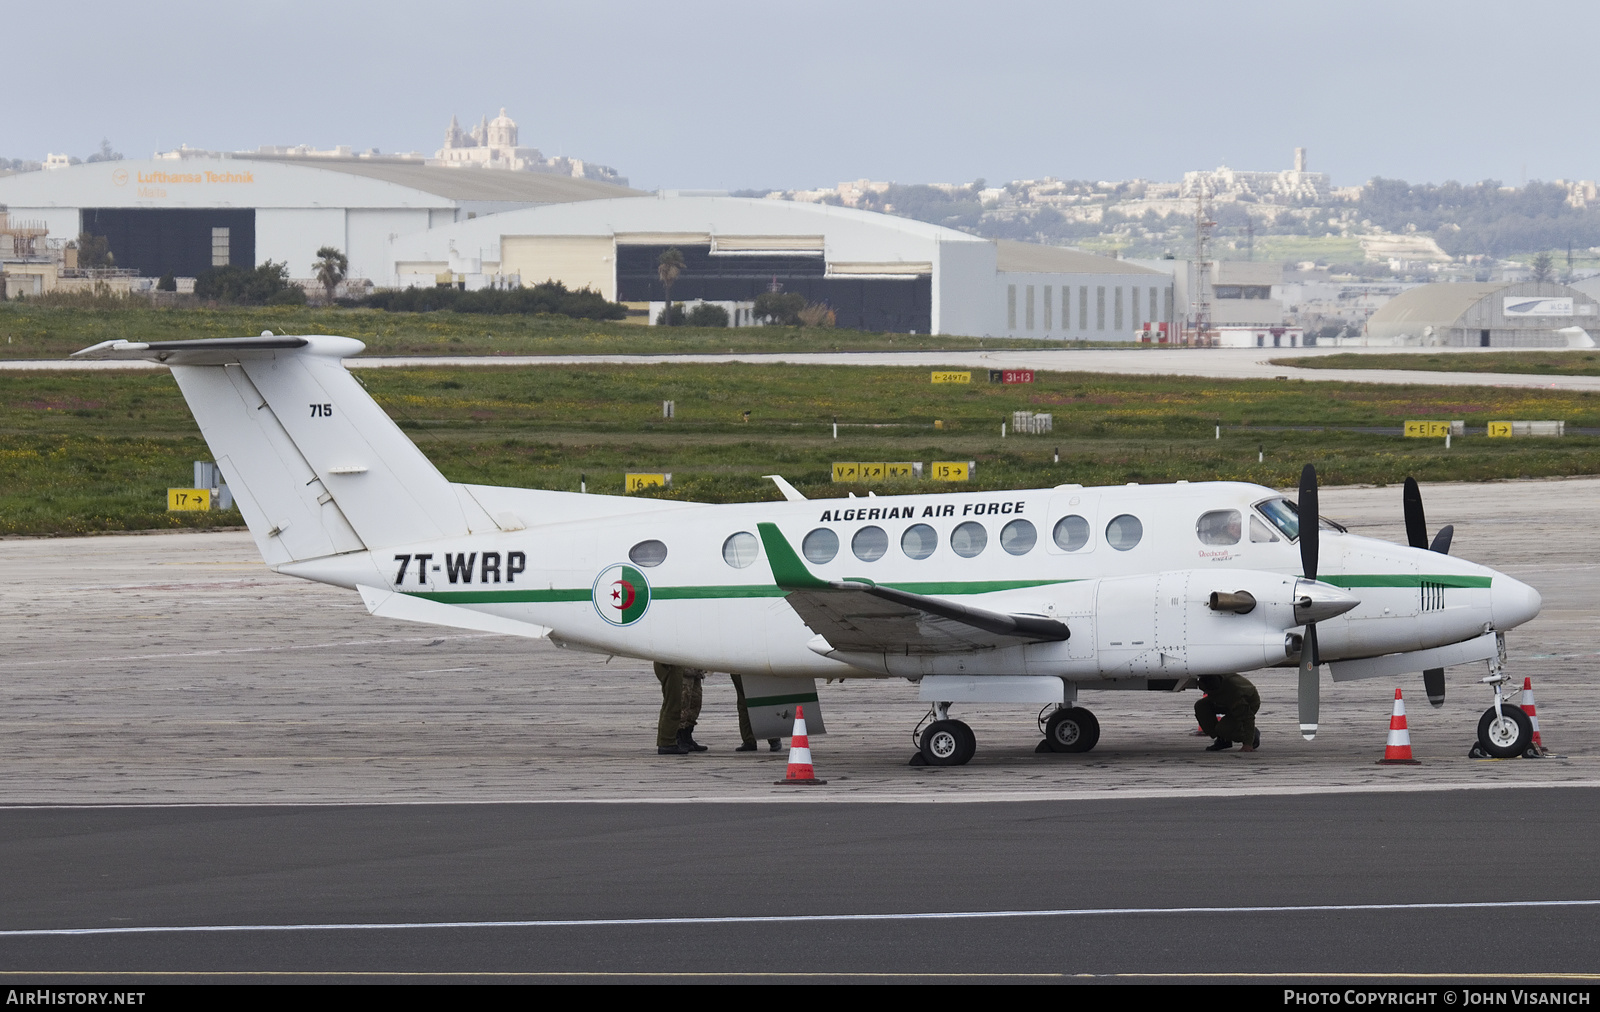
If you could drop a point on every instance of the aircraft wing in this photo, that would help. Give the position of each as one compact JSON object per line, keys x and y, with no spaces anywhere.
{"x":857,"y":615}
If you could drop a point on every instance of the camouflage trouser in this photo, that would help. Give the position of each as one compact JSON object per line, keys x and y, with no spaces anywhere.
{"x":681,"y":690}
{"x":747,"y":734}
{"x":694,"y":683}
{"x":1236,"y":723}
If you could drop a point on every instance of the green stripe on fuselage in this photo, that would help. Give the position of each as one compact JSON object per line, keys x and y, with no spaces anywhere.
{"x":722,"y":592}
{"x":707,"y":593}
{"x":1404,"y":580}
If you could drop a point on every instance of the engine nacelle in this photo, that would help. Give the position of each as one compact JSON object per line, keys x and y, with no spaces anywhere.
{"x":1184,"y":622}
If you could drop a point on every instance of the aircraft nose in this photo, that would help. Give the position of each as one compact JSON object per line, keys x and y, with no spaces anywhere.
{"x":1512,"y":602}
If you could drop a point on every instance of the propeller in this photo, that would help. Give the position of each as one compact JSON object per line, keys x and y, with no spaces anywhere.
{"x":1310,"y":702}
{"x":1417,"y":536}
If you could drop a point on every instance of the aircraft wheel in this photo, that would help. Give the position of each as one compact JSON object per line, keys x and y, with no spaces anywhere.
{"x":948,"y":743}
{"x":1071,"y":729}
{"x":1505,"y":736}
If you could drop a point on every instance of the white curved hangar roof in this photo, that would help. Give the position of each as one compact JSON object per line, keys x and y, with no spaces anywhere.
{"x":876,"y":271}
{"x":843,"y":233}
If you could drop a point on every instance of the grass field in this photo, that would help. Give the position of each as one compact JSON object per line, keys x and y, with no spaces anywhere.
{"x":33,"y":332}
{"x":89,"y":451}
{"x":1556,"y":363}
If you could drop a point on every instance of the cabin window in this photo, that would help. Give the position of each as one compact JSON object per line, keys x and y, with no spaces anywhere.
{"x":919,"y":541}
{"x":1123,"y":532}
{"x":1260,"y":533}
{"x":1219,"y":527}
{"x":1018,"y":537}
{"x":740,"y":550}
{"x":820,"y":546}
{"x":969,"y":539}
{"x":1071,"y":533}
{"x":648,"y":554}
{"x":869,"y":544}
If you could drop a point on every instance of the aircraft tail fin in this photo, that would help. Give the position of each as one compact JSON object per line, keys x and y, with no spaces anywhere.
{"x":315,"y":465}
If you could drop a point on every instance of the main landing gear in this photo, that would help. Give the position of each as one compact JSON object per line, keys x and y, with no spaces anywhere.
{"x":948,"y":742}
{"x":945,"y":742}
{"x":1068,"y":729}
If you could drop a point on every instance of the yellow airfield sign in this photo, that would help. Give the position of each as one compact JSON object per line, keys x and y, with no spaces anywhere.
{"x":633,"y":481}
{"x":1427,"y":430}
{"x":952,"y":470}
{"x":873,"y":470}
{"x":188,"y":499}
{"x":948,"y":376}
{"x":1500,"y":430}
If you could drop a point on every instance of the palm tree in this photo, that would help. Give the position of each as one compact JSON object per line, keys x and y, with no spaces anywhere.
{"x":668,"y":266}
{"x":331,"y":267}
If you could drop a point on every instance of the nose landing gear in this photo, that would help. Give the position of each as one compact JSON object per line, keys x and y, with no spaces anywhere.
{"x":1504,"y":730}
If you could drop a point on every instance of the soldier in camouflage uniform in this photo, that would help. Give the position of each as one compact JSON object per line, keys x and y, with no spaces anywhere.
{"x":1228,"y":712}
{"x":681,"y":690}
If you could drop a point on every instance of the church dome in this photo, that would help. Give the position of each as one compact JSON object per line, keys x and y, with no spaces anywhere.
{"x":502,"y":131}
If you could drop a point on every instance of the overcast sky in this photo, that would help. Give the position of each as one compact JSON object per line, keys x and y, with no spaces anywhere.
{"x":750,"y":94}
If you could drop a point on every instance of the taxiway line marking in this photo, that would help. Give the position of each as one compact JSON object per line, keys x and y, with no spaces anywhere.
{"x":952,"y":915}
{"x":871,"y":796}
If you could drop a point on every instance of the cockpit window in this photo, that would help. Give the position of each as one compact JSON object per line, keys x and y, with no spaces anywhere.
{"x":1260,"y":533}
{"x":1285,"y":516}
{"x":1218,"y":527}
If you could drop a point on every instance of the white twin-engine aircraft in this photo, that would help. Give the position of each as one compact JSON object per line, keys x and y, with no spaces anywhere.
{"x":1023,"y":597}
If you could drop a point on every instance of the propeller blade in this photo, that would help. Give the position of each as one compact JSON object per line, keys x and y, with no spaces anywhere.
{"x":1307,"y":509}
{"x":1416,"y":523}
{"x":1433,"y":681}
{"x":1441,"y":541}
{"x":1310,"y":699}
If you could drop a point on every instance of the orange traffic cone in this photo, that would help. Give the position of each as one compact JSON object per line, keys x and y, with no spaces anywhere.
{"x":800,"y":768}
{"x":1398,"y":751}
{"x":1533,"y":715}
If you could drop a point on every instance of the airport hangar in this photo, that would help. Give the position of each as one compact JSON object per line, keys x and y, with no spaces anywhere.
{"x":876,"y":271}
{"x":182,"y":216}
{"x":405,"y":224}
{"x":1524,"y":314}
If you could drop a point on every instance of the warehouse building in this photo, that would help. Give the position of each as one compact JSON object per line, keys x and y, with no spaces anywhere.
{"x":1525,"y":314}
{"x":875,"y":271}
{"x":402,"y":223}
{"x":182,"y":216}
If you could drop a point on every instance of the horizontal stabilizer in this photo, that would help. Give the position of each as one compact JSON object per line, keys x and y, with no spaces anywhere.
{"x":391,"y":604}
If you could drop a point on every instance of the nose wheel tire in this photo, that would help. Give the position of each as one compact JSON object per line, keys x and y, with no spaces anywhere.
{"x":1072,"y":729}
{"x":1505,"y":735}
{"x":948,"y":743}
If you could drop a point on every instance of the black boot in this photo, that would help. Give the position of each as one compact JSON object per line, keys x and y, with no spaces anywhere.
{"x":686,"y":741}
{"x":1220,"y":745}
{"x":671,"y":750}
{"x":774,"y":744}
{"x":749,"y":746}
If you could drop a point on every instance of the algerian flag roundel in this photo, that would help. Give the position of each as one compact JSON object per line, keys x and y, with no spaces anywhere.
{"x":621,"y":595}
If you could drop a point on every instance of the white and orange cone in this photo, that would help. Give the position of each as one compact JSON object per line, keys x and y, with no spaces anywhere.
{"x":800,"y":769}
{"x":1398,"y":750}
{"x":1532,"y":711}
